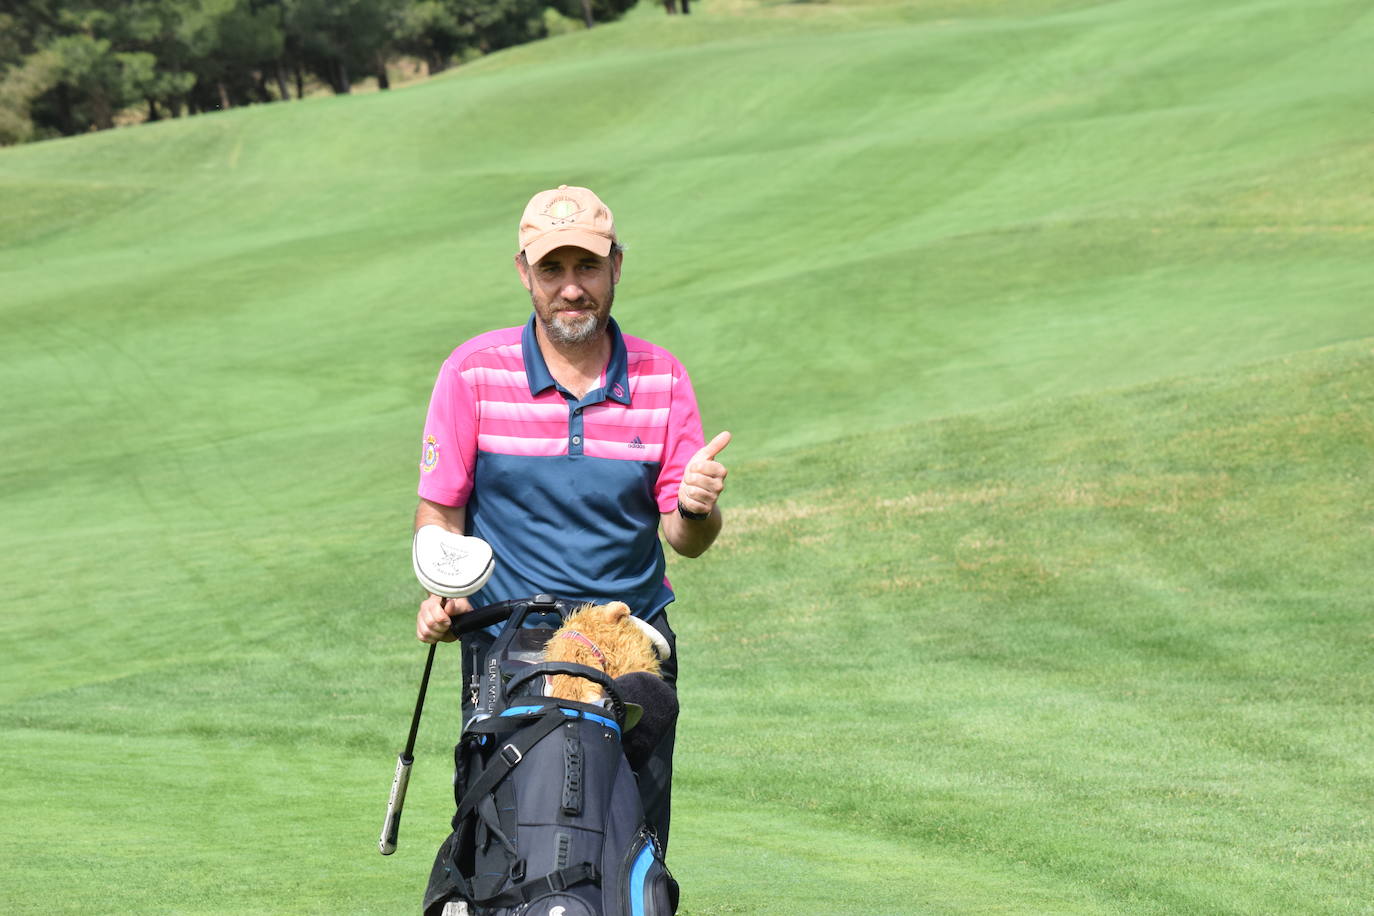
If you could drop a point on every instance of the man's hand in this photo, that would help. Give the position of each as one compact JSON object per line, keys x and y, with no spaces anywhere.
{"x":433,"y":622}
{"x":704,"y":478}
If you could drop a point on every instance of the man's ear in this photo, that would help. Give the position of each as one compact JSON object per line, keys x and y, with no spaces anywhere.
{"x":522,"y":267}
{"x":616,"y":260}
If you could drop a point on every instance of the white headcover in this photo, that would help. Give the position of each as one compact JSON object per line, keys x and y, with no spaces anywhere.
{"x":449,"y":564}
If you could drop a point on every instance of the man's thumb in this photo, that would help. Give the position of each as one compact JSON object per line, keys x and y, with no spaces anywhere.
{"x":710,"y":450}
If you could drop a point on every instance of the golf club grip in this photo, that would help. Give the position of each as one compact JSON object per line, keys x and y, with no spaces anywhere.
{"x":391,"y":826}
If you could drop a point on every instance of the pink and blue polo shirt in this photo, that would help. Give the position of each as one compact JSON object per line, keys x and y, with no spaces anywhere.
{"x":568,"y":492}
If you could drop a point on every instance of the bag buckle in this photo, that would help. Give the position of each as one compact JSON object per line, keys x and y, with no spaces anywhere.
{"x":514,"y":756}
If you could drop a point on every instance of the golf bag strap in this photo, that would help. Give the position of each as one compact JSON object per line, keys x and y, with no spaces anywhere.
{"x":506,"y":757}
{"x":600,"y":678}
{"x":551,"y":883}
{"x":490,"y":816}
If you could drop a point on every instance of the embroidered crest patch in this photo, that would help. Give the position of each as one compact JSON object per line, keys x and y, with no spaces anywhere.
{"x":429,"y":455}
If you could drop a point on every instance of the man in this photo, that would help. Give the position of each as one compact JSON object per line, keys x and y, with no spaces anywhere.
{"x":568,"y":446}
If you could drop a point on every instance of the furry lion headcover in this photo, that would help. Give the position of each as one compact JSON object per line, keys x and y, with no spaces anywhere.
{"x":606,"y":637}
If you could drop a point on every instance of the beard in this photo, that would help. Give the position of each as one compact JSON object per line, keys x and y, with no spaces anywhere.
{"x":574,"y":332}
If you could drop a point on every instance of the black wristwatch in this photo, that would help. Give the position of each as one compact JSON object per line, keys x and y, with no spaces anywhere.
{"x":691,"y":516}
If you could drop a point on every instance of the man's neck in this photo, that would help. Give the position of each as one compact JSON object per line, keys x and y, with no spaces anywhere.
{"x":577,"y":368}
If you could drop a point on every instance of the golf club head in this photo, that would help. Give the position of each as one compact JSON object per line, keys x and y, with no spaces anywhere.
{"x":451,"y":565}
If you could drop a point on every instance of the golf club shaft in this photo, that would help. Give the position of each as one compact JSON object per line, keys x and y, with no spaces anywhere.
{"x":420,"y":702}
{"x":391,"y":825}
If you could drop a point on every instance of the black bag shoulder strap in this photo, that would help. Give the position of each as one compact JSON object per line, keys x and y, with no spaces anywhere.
{"x":551,"y":883}
{"x":505,"y":759}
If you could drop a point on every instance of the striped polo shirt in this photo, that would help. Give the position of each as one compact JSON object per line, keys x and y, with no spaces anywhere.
{"x":567,"y":491}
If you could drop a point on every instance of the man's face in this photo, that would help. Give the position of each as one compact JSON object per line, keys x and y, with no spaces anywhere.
{"x":572,"y":290}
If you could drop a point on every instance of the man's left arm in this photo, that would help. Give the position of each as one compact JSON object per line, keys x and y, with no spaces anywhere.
{"x":703,"y":481}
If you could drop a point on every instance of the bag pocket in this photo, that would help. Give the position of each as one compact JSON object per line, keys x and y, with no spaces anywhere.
{"x":645,"y":886}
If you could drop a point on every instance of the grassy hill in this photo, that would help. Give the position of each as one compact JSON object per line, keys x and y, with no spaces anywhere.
{"x":1044,"y":329}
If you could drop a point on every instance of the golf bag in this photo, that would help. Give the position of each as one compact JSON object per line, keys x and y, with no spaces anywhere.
{"x":549,"y":820}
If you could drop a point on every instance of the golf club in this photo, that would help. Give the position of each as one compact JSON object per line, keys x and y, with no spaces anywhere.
{"x":392,"y":824}
{"x":451,"y":566}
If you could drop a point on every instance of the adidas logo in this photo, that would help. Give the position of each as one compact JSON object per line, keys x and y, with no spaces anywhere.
{"x":635,"y":443}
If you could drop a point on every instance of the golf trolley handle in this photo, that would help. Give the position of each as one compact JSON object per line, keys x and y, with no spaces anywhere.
{"x":481,"y":618}
{"x":489,"y":614}
{"x":583,"y":671}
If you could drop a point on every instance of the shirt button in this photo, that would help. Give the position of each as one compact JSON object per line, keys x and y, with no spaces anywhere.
{"x":577,"y":440}
{"x":577,"y":410}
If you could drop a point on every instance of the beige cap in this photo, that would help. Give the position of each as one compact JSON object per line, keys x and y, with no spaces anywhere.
{"x":565,"y":216}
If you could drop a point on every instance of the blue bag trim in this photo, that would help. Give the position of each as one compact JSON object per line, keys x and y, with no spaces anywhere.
{"x":570,"y":713}
{"x":639,"y":874}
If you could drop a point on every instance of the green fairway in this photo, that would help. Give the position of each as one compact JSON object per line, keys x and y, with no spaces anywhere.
{"x":1045,"y":330}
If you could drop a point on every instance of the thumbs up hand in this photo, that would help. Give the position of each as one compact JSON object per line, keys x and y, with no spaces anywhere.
{"x":704,"y":478}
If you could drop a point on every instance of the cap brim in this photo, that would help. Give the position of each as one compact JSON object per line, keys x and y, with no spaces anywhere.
{"x":578,"y":238}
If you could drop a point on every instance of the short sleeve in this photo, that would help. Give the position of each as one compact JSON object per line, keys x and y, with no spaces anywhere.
{"x":684,"y":439}
{"x":449,"y":449}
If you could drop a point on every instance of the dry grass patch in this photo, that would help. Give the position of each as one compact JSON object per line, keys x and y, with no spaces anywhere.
{"x":753,"y":519}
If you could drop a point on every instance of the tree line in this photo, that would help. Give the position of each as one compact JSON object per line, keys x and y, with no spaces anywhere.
{"x":70,"y":66}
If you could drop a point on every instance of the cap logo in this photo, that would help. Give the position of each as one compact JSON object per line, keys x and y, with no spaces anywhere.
{"x":562,"y":209}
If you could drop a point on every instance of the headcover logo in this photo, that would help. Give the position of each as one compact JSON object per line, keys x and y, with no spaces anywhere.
{"x":429,"y":455}
{"x":562,"y":209}
{"x":452,"y":560}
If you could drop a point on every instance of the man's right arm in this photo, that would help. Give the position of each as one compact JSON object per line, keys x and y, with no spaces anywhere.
{"x":450,"y":518}
{"x":432,"y":622}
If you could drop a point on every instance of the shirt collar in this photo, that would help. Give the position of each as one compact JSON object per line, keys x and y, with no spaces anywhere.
{"x":617,"y":383}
